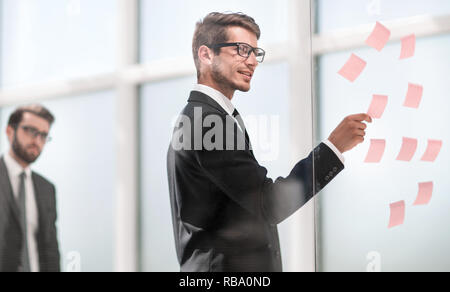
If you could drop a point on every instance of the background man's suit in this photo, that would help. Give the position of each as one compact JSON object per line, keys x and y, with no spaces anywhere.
{"x":11,"y":236}
{"x":225,"y":209}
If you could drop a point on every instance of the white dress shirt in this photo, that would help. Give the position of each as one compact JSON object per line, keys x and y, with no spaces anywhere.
{"x":14,"y":171}
{"x":226,"y":104}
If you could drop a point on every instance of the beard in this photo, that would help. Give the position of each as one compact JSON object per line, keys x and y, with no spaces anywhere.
{"x":221,"y":80}
{"x":21,"y":152}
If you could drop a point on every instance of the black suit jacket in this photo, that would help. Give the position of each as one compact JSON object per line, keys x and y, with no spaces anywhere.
{"x":11,"y":238}
{"x":225,"y":209}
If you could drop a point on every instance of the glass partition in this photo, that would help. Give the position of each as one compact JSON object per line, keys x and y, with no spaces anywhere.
{"x":387,"y":210}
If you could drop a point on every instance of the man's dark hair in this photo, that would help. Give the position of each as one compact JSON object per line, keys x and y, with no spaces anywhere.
{"x":36,"y":109}
{"x":213,"y":30}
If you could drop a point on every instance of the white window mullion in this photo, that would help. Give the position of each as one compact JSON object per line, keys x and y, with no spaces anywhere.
{"x":127,"y":139}
{"x":302,"y":236}
{"x":35,"y":93}
{"x":354,"y":37}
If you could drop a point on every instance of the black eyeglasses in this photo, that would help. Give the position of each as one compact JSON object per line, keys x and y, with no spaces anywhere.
{"x":33,"y":132}
{"x":243,"y":49}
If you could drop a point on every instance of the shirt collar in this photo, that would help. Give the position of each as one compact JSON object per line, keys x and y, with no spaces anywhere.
{"x":217,"y":96}
{"x":14,"y":168}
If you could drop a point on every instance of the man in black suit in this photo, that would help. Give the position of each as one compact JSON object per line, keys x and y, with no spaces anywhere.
{"x":225,"y":209}
{"x":28,"y":237}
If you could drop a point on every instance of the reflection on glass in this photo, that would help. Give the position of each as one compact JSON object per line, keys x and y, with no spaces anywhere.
{"x":354,"y":212}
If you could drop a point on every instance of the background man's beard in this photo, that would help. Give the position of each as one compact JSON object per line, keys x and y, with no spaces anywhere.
{"x":21,"y":153}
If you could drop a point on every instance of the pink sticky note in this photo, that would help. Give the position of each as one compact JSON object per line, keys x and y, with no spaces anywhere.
{"x":377,"y":106}
{"x":408,"y":47}
{"x":353,"y":68}
{"x":414,"y":95}
{"x":433,"y":149}
{"x":376,"y":151}
{"x":379,"y":37}
{"x":408,"y":149}
{"x":397,"y":214}
{"x":425,"y":193}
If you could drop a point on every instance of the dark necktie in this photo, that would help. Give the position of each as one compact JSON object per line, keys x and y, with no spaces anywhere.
{"x":25,"y":259}
{"x":238,"y":117}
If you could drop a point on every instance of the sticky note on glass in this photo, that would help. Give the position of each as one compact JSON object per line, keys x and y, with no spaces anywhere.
{"x":432,"y":152}
{"x":376,"y":151}
{"x":377,"y":107}
{"x":408,"y":149}
{"x":408,"y":47}
{"x":414,"y":95}
{"x":379,"y":37}
{"x":397,"y":214}
{"x":353,"y":68}
{"x":425,"y":193}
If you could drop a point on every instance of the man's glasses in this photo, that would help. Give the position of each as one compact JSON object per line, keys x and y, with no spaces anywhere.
{"x":33,"y":132}
{"x":243,"y":49}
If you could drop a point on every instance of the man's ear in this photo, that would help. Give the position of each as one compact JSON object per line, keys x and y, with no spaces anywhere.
{"x":205,"y":55}
{"x":10,"y":133}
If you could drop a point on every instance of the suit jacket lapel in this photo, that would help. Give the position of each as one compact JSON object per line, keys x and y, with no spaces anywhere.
{"x":197,"y":96}
{"x":39,"y":199}
{"x":6,"y":189}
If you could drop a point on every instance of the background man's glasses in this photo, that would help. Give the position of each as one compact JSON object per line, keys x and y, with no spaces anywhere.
{"x":33,"y":132}
{"x":243,"y":49}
